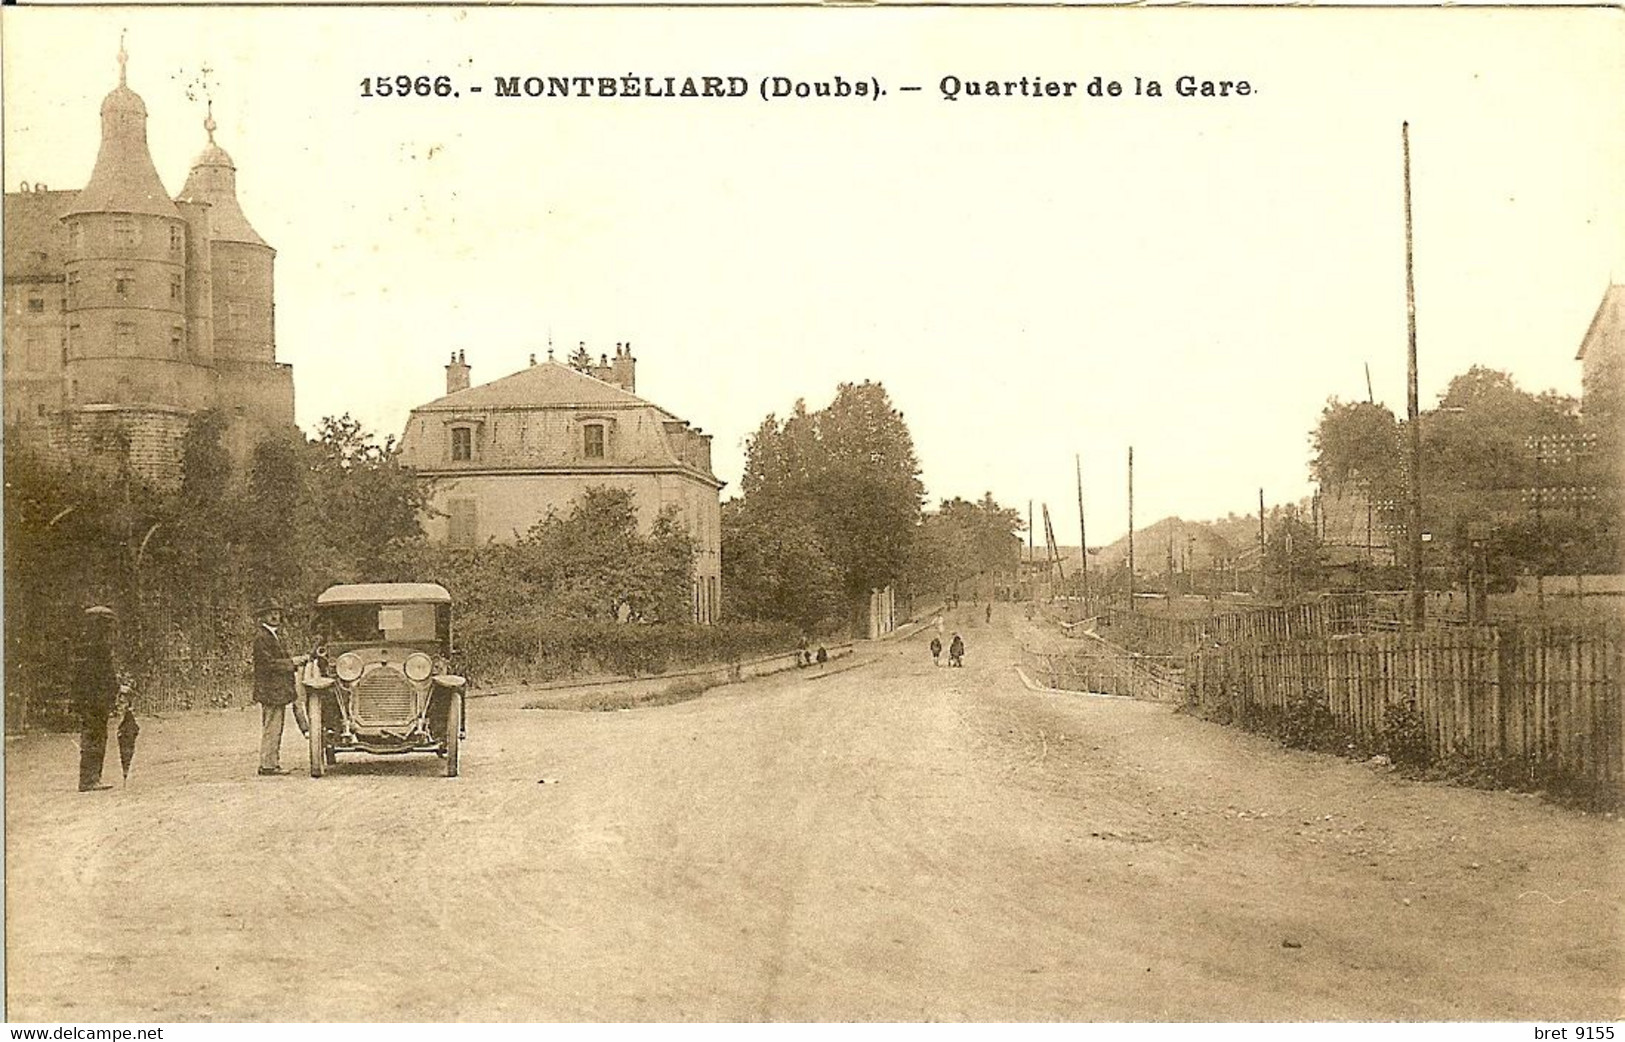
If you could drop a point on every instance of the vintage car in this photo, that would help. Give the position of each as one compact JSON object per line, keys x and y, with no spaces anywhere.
{"x":382,"y":682}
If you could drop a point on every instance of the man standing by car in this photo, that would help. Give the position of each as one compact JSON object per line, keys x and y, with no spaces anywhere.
{"x":273,"y":685}
{"x":95,"y":691}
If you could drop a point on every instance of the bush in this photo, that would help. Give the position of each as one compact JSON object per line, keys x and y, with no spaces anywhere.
{"x":1404,"y":734}
{"x":1308,"y":723}
{"x":544,"y":649}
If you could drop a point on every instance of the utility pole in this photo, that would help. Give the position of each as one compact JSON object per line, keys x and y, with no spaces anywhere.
{"x":1261,"y":542}
{"x":1412,"y":412}
{"x":1131,"y":528}
{"x":1083,"y":537}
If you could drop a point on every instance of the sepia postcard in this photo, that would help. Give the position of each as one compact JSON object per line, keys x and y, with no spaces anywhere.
{"x":830,"y":514}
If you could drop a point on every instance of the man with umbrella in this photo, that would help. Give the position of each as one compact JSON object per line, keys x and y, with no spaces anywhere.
{"x":273,"y":685}
{"x":95,"y":692}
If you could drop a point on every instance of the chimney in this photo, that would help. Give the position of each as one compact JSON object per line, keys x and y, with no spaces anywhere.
{"x":457,"y":373}
{"x":623,"y":371}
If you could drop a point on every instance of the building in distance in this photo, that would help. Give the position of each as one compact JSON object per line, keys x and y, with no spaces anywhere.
{"x":506,"y":453}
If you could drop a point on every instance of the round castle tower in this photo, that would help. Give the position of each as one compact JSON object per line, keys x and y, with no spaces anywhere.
{"x":126,"y":271}
{"x":240,"y":264}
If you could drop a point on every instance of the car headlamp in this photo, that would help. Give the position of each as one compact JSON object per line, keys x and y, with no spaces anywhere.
{"x":418,"y":666}
{"x":348,"y":667}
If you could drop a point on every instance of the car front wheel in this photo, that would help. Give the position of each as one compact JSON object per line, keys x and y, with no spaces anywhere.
{"x":318,"y":736}
{"x":454,"y":729}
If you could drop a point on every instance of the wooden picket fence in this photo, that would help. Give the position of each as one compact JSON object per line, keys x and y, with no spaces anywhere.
{"x":1099,"y":666}
{"x":1546,"y":697}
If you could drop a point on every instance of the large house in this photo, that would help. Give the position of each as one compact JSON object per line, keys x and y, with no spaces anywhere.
{"x":508,"y":452}
{"x":128,"y":310}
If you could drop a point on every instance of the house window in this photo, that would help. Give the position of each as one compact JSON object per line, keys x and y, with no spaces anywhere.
{"x":36,"y":305}
{"x":124,"y":337}
{"x":123,"y":279}
{"x":174,"y":238}
{"x":592,"y":441}
{"x":462,"y":444}
{"x":124,"y":232}
{"x":34,"y":353}
{"x":174,"y":287}
{"x":463,"y":515}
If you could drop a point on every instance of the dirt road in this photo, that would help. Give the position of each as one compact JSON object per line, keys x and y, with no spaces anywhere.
{"x":892,"y":842}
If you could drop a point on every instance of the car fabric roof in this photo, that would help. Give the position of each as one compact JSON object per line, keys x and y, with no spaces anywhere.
{"x":373,"y":593}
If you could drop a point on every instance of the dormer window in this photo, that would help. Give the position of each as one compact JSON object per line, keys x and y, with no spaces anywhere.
{"x":593,"y":440}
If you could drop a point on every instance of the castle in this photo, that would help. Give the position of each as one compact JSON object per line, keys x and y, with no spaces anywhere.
{"x":128,"y":311}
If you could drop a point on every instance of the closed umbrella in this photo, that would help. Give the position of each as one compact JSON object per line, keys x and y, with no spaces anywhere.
{"x":127,"y":730}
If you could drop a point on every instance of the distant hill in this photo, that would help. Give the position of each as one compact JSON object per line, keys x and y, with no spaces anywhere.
{"x":1207,"y":543}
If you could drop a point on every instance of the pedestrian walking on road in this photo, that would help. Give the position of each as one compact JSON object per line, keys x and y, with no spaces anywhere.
{"x":990,"y":613}
{"x":936,"y":651}
{"x":95,"y":693}
{"x":274,"y":686}
{"x":956,"y":651}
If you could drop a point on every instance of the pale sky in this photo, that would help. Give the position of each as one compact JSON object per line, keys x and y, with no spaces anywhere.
{"x":1028,"y":277}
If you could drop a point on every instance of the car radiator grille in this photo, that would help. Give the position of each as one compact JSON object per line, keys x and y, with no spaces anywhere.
{"x":384,"y":696}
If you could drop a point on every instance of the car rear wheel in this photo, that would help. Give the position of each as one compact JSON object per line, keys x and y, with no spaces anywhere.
{"x":318,"y":736}
{"x":454,"y":729}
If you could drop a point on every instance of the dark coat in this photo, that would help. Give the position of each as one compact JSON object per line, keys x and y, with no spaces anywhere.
{"x":273,"y":669}
{"x":957,"y":648}
{"x":95,"y":682}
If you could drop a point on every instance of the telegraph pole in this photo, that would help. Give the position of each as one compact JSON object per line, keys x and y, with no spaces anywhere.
{"x":1131,"y":528}
{"x":1083,"y":538}
{"x":1261,"y":542}
{"x":1412,"y":412}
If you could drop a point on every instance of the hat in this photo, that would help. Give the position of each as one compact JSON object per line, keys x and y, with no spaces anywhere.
{"x":266,"y":608}
{"x":101,"y":611}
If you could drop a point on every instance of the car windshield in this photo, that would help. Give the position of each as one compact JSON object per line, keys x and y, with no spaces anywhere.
{"x":380,"y":623}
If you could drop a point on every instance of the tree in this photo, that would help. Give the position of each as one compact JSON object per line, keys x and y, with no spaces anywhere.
{"x":841,"y":484}
{"x":593,"y":564}
{"x":775,"y":569}
{"x":1358,"y":444}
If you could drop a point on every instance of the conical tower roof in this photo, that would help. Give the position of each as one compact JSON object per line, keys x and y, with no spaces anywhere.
{"x":124,"y":180}
{"x":213,"y":180}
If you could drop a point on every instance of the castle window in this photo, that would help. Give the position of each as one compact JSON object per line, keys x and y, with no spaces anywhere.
{"x":124,"y":337}
{"x":39,"y":410}
{"x":73,"y":340}
{"x":462,"y":444}
{"x":174,"y":287}
{"x":34,"y":354}
{"x":239,"y":270}
{"x":592,"y":440}
{"x":237,"y":319}
{"x":174,"y":238}
{"x":463,"y":518}
{"x":76,"y":236}
{"x":124,"y":232}
{"x":36,"y":305}
{"x":73,"y":289}
{"x":175,"y":334}
{"x":123,"y":279}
